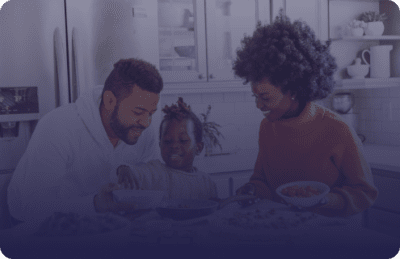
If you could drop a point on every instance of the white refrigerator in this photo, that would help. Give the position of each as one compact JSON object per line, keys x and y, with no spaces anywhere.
{"x":63,"y":46}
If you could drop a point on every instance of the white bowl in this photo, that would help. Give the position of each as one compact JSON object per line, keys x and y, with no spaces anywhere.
{"x":358,"y":71}
{"x":143,"y":199}
{"x":304,"y":202}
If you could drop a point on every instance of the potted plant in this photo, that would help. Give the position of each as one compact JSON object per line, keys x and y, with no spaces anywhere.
{"x":374,"y":22}
{"x":357,"y":28}
{"x":210,"y":133}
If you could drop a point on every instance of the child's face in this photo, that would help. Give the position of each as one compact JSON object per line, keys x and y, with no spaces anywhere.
{"x":178,"y":144}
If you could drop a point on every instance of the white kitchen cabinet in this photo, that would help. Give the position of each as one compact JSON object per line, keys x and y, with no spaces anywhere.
{"x":313,"y":12}
{"x":182,"y":44}
{"x":198,"y":38}
{"x":384,"y":215}
{"x":227,"y":22}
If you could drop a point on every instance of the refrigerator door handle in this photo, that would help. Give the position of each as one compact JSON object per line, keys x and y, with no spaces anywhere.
{"x":75,"y":78}
{"x":61,"y":78}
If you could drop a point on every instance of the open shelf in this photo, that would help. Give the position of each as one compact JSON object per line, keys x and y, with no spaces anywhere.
{"x":19,"y":117}
{"x":367,"y":83}
{"x":383,"y":37}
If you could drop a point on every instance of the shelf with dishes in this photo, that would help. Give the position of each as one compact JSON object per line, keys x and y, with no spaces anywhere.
{"x":367,"y":83}
{"x":177,"y":49}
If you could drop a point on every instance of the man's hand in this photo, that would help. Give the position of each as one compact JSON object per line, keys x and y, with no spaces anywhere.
{"x":104,"y":202}
{"x":125,"y":178}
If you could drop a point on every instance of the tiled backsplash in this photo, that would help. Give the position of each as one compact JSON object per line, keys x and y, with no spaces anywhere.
{"x":379,"y":115}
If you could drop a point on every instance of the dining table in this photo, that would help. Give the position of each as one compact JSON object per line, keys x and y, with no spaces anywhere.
{"x":265,"y":228}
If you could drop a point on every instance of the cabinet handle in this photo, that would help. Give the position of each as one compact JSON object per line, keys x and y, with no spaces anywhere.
{"x":201,"y":76}
{"x":211,"y":76}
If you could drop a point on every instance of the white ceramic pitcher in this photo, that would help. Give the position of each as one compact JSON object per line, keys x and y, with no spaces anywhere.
{"x":379,"y":60}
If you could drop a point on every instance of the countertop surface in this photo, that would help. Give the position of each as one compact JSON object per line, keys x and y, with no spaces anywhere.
{"x":383,"y":157}
{"x":378,"y":156}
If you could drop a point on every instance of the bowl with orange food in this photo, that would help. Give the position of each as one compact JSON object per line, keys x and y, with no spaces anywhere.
{"x":303,"y":194}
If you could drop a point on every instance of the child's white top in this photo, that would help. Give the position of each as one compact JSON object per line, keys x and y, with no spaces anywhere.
{"x":177,"y":184}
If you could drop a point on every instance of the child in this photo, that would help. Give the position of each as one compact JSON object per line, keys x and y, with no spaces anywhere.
{"x":180,"y":141}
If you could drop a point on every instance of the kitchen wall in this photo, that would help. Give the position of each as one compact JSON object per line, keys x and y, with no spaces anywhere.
{"x":379,"y":109}
{"x":379,"y":115}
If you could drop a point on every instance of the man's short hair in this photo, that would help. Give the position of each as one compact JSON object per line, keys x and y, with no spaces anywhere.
{"x":129,"y":72}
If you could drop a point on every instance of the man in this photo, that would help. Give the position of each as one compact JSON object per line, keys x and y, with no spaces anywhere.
{"x":67,"y":164}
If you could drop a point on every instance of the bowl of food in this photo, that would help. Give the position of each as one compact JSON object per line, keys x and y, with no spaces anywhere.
{"x":143,"y":199}
{"x":303,"y":193}
{"x":181,"y":209}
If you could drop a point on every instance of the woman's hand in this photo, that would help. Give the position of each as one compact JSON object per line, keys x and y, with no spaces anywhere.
{"x":297,"y":208}
{"x":125,"y":179}
{"x":247,"y":189}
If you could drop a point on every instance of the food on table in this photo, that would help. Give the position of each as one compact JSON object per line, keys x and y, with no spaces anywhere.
{"x":300,"y":192}
{"x":73,"y":224}
{"x":268,"y":219}
{"x":179,"y":206}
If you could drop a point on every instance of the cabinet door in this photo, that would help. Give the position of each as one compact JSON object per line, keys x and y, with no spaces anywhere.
{"x":276,"y":6}
{"x":227,"y":21}
{"x":182,"y":43}
{"x":313,"y":12}
{"x":263,"y":12}
{"x":384,"y":222}
{"x":389,"y":193}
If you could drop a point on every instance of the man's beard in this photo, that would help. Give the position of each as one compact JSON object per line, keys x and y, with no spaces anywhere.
{"x":121,"y":131}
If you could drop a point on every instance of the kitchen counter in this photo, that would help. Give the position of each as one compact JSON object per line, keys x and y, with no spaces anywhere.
{"x":383,"y":157}
{"x":378,"y":156}
{"x":240,"y":161}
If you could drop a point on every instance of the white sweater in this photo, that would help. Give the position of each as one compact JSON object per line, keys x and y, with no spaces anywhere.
{"x":177,"y":184}
{"x":69,"y":158}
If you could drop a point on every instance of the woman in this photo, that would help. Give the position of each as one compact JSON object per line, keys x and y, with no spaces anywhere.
{"x":288,"y":69}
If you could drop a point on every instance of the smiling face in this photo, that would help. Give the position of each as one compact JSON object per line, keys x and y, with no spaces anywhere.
{"x":133,"y":114}
{"x":178,"y":144}
{"x":274,"y":104}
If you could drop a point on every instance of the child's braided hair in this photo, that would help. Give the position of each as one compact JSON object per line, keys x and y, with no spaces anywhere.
{"x":180,"y":112}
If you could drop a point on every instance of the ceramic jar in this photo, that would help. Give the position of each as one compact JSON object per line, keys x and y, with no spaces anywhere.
{"x":357,"y":32}
{"x":374,"y":29}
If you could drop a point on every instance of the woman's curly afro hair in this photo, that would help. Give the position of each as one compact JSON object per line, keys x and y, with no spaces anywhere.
{"x":290,"y":56}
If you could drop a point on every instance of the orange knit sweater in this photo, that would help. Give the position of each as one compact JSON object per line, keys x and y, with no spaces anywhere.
{"x":315,"y":146}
